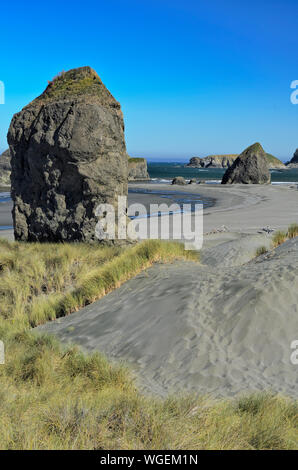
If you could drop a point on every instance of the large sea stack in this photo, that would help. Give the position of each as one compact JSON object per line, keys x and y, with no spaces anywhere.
{"x":68,"y":155}
{"x":251,"y":167}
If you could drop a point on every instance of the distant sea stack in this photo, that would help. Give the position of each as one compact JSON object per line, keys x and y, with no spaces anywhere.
{"x":212,"y":161}
{"x":251,"y":167}
{"x":294,"y":162}
{"x":225,"y":161}
{"x":68,"y":155}
{"x":5,"y":169}
{"x":137,"y":169}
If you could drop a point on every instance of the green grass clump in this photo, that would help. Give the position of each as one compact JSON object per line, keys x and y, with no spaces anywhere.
{"x":261,"y":251}
{"x":293,"y":231}
{"x":278,"y":238}
{"x":55,"y":397}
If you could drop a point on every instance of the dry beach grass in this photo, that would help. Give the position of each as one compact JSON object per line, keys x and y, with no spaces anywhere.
{"x":53,"y":397}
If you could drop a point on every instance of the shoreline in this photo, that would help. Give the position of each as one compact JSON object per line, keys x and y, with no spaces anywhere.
{"x":240,"y":208}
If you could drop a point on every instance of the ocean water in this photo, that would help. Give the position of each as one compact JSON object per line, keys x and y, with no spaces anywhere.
{"x":4,"y":196}
{"x":177,"y":197}
{"x":163,"y":172}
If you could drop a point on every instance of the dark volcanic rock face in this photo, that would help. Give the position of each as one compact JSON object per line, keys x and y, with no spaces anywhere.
{"x":294,"y":162}
{"x":295,"y":157}
{"x":251,"y":167}
{"x":68,"y":155}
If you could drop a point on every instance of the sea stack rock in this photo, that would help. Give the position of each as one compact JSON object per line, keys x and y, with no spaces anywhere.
{"x":212,"y":161}
{"x":137,"y":169}
{"x":295,"y":157}
{"x":68,"y":155}
{"x":251,"y":167}
{"x":294,"y":162}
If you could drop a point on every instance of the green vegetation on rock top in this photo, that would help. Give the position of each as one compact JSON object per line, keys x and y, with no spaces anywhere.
{"x":135,"y":160}
{"x":273,"y":159}
{"x":257,"y":147}
{"x":82,"y":81}
{"x":229,"y":155}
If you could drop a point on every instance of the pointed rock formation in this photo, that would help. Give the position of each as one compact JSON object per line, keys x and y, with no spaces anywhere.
{"x":251,"y":167}
{"x":294,"y":162}
{"x":68,"y":156}
{"x":295,"y":157}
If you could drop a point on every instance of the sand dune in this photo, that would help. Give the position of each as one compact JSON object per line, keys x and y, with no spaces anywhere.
{"x":220,"y":327}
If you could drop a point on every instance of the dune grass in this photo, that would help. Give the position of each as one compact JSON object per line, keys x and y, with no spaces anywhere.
{"x":41,"y":282}
{"x":261,"y":251}
{"x":279,"y":238}
{"x":293,"y":231}
{"x":55,"y":397}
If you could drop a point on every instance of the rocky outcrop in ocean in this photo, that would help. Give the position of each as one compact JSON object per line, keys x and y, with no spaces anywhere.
{"x":225,"y":161}
{"x":294,"y":162}
{"x":68,"y":155}
{"x":179,"y":180}
{"x":212,"y":161}
{"x":251,"y":167}
{"x":137,"y":169}
{"x":5,"y":169}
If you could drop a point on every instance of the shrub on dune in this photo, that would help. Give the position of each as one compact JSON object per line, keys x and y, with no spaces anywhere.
{"x":293,"y":231}
{"x":261,"y":251}
{"x":278,"y":238}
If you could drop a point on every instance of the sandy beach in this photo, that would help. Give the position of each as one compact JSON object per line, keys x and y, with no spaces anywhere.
{"x":221,"y":327}
{"x":241,"y":208}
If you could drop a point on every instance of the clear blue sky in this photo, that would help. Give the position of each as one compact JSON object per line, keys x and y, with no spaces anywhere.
{"x":193,"y":77}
